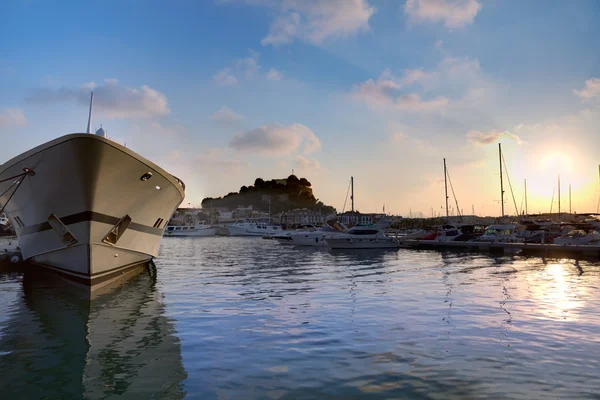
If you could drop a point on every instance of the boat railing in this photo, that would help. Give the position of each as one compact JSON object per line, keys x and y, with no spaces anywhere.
{"x":179,"y":181}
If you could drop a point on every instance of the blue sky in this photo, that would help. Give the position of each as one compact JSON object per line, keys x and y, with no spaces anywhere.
{"x":220,"y":92}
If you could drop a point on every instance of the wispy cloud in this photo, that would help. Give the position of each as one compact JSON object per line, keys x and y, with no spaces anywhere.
{"x":453,"y":13}
{"x":483,"y":138}
{"x":246,"y":68}
{"x":274,"y":75}
{"x":387,"y":93}
{"x":12,"y":117}
{"x":275,"y":139}
{"x":111,"y":99}
{"x":590,"y":90}
{"x":225,"y":77}
{"x":313,"y":21}
{"x":226,"y":115}
{"x":306,"y":163}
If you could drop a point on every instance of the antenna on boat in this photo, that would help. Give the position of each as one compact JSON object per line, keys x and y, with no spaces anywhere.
{"x":501,"y":183}
{"x":446,"y":187}
{"x":89,"y":127}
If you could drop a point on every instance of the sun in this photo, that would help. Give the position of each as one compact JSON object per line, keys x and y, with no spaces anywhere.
{"x":555,"y":163}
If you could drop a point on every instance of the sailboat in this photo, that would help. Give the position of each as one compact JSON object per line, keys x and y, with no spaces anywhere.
{"x":87,"y":207}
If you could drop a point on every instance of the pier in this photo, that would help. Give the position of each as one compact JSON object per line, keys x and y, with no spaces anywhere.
{"x":554,"y":250}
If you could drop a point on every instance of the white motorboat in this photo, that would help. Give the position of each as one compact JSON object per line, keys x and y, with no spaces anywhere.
{"x":448,"y":233}
{"x":578,"y":237}
{"x":251,"y":228}
{"x":500,"y":233}
{"x":191,"y":230}
{"x":87,"y":207}
{"x":314,"y":238}
{"x":363,"y":237}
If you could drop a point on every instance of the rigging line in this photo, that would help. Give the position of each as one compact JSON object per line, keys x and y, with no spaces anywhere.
{"x":510,"y":185}
{"x":12,"y":194}
{"x":346,"y":199}
{"x":521,"y":208}
{"x":455,"y":200}
{"x":15,"y":176}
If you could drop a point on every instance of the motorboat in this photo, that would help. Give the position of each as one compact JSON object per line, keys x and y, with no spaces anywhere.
{"x":578,"y":237}
{"x":87,"y":207}
{"x":199,"y":229}
{"x":252,"y":228}
{"x":448,"y":233}
{"x":363,"y":237}
{"x":315,"y":238}
{"x":500,"y":233}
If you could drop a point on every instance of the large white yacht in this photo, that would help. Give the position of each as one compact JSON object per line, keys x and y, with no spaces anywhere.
{"x":86,"y":206}
{"x":252,"y":228}
{"x":363,"y":237}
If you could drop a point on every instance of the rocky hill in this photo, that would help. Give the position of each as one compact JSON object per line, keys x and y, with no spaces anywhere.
{"x":282,"y":194}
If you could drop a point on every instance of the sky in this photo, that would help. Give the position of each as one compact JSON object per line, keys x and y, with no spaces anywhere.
{"x":220,"y":92}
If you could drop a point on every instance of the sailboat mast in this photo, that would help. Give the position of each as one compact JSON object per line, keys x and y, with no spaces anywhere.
{"x":569,"y":198}
{"x":501,"y":183}
{"x":559,"y":196}
{"x":446,"y":187}
{"x":526,"y":213}
{"x":352,"y":197}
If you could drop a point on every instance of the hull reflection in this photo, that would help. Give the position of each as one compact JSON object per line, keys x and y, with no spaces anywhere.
{"x":65,"y":342}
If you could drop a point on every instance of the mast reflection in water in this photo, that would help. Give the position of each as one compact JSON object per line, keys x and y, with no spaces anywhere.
{"x":62,"y":342}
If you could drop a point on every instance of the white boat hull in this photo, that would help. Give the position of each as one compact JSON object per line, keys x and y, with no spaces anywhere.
{"x":309,"y":239}
{"x":251,"y":231}
{"x":89,"y":183}
{"x":192,"y":232}
{"x":362,"y":243}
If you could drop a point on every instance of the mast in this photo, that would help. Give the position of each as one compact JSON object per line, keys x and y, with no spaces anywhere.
{"x":559,"y":196}
{"x":526,"y":213}
{"x":501,"y":183}
{"x":569,"y":198}
{"x":446,"y":186}
{"x":89,"y":127}
{"x":352,"y":198}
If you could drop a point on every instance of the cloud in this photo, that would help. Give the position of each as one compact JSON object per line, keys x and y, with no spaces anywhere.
{"x":111,"y":99}
{"x":386,"y":93}
{"x":274,"y":75}
{"x":226,"y":115}
{"x":313,"y":21}
{"x":306,"y":163}
{"x":483,"y":138}
{"x":591,"y":89}
{"x":12,"y":117}
{"x":246,"y":68}
{"x":454,"y":13}
{"x":275,"y":139}
{"x":225,"y":77}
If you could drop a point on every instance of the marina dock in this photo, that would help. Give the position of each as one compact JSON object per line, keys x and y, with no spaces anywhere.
{"x":587,"y":251}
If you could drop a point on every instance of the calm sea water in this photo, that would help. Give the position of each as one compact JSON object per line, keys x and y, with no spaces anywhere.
{"x":246,"y":318}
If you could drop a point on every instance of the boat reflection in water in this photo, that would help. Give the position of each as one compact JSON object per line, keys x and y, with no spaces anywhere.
{"x":63,"y":342}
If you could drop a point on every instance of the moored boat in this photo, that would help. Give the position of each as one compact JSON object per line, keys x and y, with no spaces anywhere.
{"x":363,"y":237}
{"x":86,"y":206}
